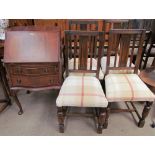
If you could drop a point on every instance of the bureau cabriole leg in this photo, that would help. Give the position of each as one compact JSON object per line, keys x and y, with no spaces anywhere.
{"x":14,"y":94}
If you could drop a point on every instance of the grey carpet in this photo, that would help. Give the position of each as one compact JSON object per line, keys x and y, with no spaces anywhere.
{"x":40,"y":119}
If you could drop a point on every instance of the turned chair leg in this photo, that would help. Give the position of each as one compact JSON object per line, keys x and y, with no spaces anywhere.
{"x":17,"y":102}
{"x":101,"y":120}
{"x":60,"y":114}
{"x":145,"y":113}
{"x":107,"y":116}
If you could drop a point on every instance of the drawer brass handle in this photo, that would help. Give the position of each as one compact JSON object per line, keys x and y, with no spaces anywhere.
{"x":18,"y":81}
{"x":18,"y":70}
{"x":46,"y":70}
{"x":51,"y":81}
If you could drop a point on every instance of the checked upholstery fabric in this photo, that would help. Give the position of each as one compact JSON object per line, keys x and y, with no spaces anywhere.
{"x":81,"y":91}
{"x":127,"y":87}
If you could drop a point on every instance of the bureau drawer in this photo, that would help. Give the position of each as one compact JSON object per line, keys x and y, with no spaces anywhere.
{"x":35,"y":81}
{"x":34,"y":70}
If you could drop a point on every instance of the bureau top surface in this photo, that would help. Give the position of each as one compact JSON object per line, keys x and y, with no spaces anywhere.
{"x":32,"y":46}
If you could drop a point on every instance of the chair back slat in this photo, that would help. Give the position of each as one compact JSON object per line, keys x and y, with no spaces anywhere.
{"x":83,"y":52}
{"x":124,"y":50}
{"x":132,"y":50}
{"x":95,"y":47}
{"x":70,"y":47}
{"x":87,"y":48}
{"x":123,"y":42}
{"x":91,"y":50}
{"x":75,"y":49}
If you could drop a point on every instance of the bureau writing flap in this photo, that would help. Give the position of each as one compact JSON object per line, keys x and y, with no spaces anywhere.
{"x":32,"y":46}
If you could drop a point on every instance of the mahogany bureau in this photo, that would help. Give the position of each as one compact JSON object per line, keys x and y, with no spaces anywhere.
{"x":32,"y":59}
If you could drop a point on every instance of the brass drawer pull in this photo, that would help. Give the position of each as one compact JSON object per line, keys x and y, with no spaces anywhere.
{"x":51,"y":81}
{"x":46,"y":70}
{"x":18,"y":70}
{"x":18,"y":81}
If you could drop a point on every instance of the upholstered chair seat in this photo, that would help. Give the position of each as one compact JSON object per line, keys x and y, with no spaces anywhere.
{"x":127,"y":87}
{"x":81,"y":91}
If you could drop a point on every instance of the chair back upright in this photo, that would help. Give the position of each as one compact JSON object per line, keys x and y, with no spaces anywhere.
{"x":122,"y":42}
{"x":83,"y":47}
{"x":153,"y":63}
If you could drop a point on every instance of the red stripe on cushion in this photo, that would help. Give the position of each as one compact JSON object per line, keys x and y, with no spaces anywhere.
{"x":132,"y":97}
{"x":86,"y":94}
{"x":128,"y":99}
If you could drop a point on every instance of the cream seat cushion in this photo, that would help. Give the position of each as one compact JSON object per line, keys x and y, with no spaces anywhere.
{"x":81,"y":91}
{"x":127,"y":87}
{"x":94,"y":66}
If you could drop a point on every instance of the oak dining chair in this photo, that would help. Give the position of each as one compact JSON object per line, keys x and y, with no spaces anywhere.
{"x":124,"y":87}
{"x":82,"y":87}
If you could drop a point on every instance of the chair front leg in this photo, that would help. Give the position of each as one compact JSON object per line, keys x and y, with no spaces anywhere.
{"x":101,"y":119}
{"x":61,"y":118}
{"x":107,"y":116}
{"x":145,"y":113}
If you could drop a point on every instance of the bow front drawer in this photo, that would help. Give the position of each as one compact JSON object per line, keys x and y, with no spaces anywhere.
{"x":35,"y":81}
{"x":34,"y":75}
{"x":34,"y":70}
